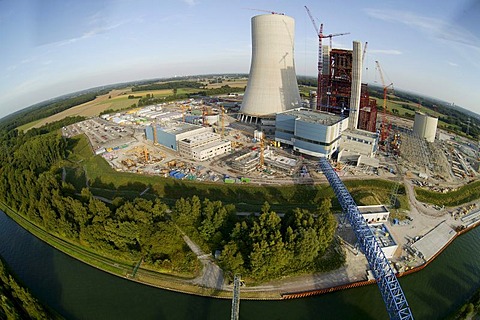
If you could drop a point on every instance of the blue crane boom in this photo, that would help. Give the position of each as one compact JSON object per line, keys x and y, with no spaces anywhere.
{"x":392,"y":294}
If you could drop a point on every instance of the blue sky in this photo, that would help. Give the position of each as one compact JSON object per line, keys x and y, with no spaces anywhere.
{"x":53,"y":47}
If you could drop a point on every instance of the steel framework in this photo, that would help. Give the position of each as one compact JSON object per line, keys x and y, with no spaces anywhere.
{"x":392,"y":294}
{"x":236,"y":298}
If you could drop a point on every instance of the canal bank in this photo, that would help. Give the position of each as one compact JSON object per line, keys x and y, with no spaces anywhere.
{"x":346,"y":277}
{"x":79,"y":291}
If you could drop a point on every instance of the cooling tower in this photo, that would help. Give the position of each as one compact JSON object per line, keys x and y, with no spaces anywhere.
{"x":272,"y":84}
{"x":356,"y":85}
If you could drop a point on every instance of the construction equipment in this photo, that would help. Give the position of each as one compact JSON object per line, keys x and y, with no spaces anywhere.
{"x":262,"y":147}
{"x":364,"y":52}
{"x":321,"y":78}
{"x":204,"y":116}
{"x":223,"y":121}
{"x":145,"y":153}
{"x":384,"y":128}
{"x":269,"y":11}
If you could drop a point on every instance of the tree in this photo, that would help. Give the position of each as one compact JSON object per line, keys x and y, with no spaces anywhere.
{"x":231,"y":258}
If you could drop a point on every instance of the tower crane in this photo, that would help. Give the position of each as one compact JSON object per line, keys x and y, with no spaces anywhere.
{"x":223,"y":121}
{"x":321,"y":77}
{"x":364,"y":52}
{"x":384,"y":130}
{"x":269,"y":11}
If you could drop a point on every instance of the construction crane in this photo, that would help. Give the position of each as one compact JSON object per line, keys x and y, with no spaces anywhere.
{"x":145,"y":153}
{"x":223,"y":121}
{"x":262,"y":147}
{"x":236,"y":298}
{"x":204,"y":116}
{"x":364,"y":52}
{"x":321,"y":78}
{"x":384,"y":128}
{"x":269,"y":11}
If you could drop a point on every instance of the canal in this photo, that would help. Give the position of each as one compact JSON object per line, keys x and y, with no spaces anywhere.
{"x":79,"y":291}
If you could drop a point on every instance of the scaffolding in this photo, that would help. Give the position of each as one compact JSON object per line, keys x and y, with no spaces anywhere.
{"x":392,"y":294}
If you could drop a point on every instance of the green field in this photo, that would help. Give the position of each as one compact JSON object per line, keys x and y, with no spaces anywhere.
{"x":465,"y":194}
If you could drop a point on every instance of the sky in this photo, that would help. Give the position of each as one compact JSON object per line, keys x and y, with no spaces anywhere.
{"x":53,"y":47}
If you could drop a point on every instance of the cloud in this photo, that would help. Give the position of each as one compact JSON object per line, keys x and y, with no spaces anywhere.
{"x":433,"y":27}
{"x":386,"y":51}
{"x":92,"y":32}
{"x":191,"y":3}
{"x":453,"y":64}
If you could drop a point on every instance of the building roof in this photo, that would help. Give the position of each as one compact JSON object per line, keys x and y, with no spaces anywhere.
{"x":357,"y":133}
{"x":204,"y":136}
{"x":178,"y":127}
{"x":210,"y":145}
{"x":311,"y":116}
{"x":373,"y":209}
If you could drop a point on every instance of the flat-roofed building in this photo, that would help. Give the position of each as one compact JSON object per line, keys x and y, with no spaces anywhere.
{"x":169,"y":134}
{"x":203,"y":146}
{"x":358,"y":147}
{"x":375,"y":213}
{"x":310,"y":132}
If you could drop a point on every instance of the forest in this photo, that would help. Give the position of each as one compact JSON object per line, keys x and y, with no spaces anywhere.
{"x":260,"y":247}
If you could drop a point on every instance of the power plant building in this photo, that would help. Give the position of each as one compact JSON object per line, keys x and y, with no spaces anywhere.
{"x":310,"y":132}
{"x":342,"y":90}
{"x":203,"y":146}
{"x":358,"y":147}
{"x":425,"y":126}
{"x":272,"y":84}
{"x":169,"y":134}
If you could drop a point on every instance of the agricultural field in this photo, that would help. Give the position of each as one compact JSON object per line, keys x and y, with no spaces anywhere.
{"x":397,"y":105}
{"x":234,"y":83}
{"x":115,"y":99}
{"x":88,"y":109}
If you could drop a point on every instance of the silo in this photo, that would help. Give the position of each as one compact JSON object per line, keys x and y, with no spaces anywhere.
{"x":425,"y":126}
{"x":356,"y":85}
{"x":272,"y":84}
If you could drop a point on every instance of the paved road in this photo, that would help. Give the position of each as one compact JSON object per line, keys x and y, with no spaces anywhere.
{"x":212,"y":275}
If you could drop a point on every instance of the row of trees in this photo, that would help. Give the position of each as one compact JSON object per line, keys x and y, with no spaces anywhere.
{"x":169,"y":85}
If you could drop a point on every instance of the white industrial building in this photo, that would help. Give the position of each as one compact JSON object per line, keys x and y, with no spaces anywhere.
{"x":203,"y":146}
{"x":168,"y":134}
{"x":375,"y":213}
{"x":425,"y":126}
{"x":358,"y":147}
{"x":310,"y":132}
{"x":377,"y":217}
{"x":272,"y":84}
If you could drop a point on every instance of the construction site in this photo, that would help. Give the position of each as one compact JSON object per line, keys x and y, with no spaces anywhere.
{"x":272,"y":138}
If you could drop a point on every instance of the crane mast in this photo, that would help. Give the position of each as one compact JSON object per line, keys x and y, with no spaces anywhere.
{"x":321,"y":76}
{"x":384,"y":129}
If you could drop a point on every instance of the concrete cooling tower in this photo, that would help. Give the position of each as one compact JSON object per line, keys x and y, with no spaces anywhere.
{"x":272,"y":84}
